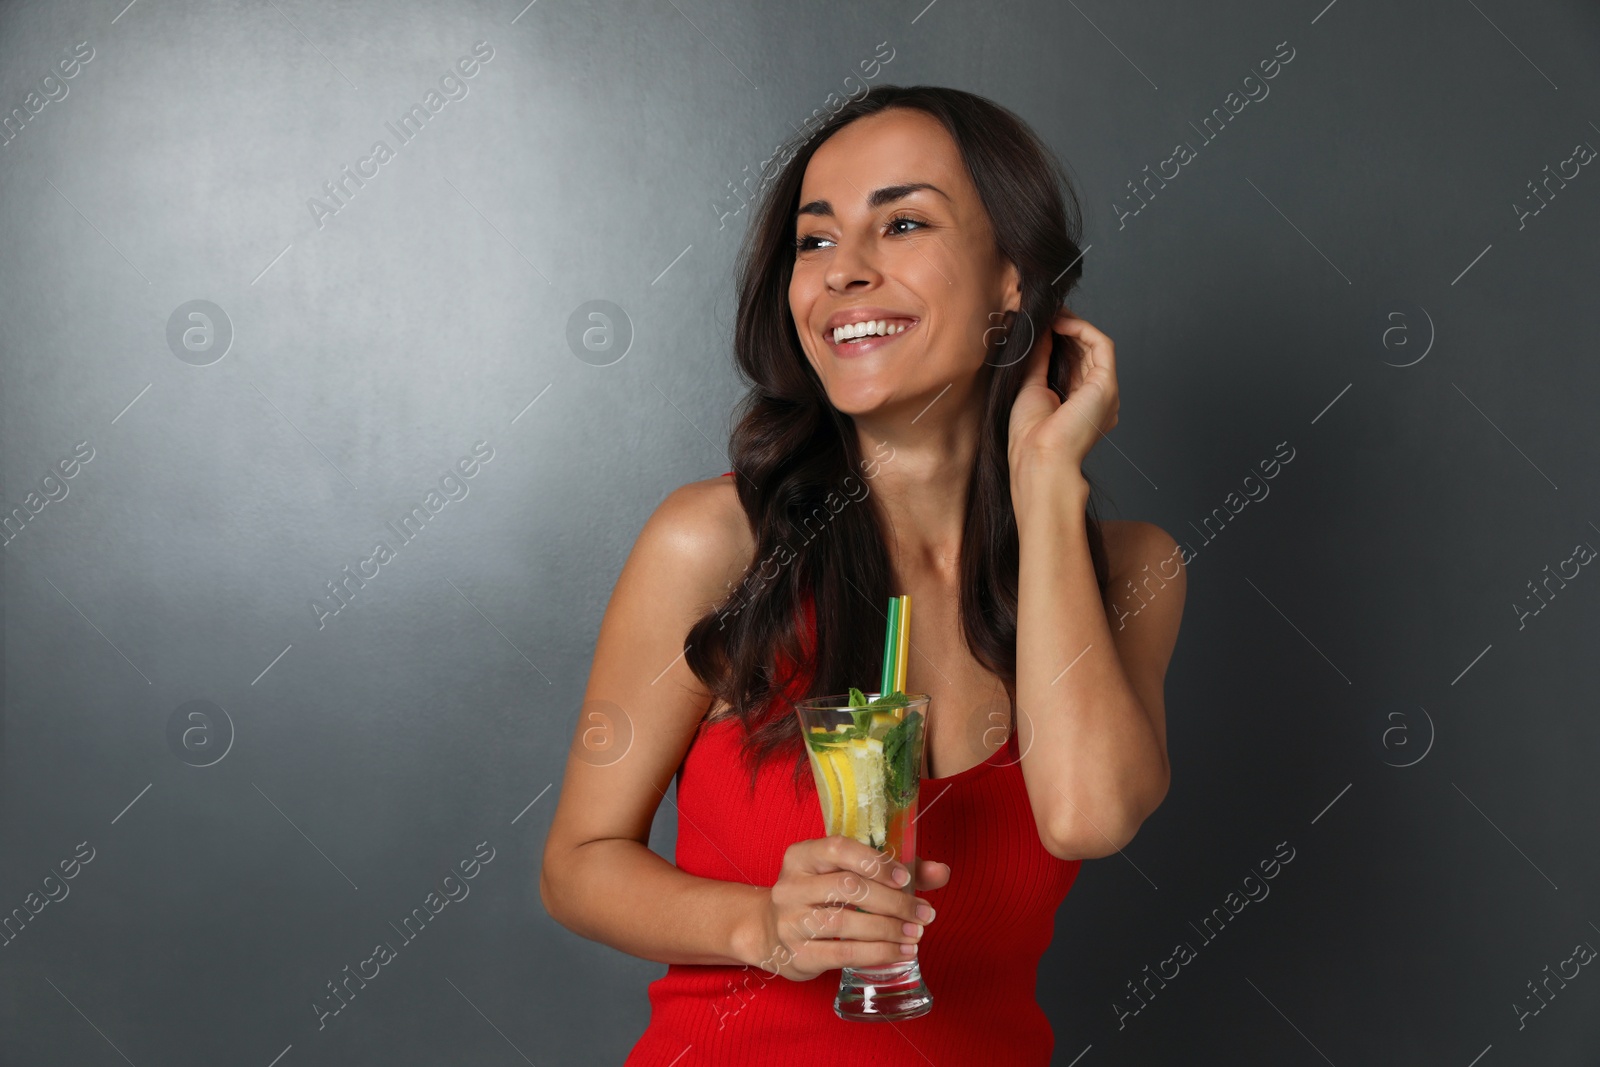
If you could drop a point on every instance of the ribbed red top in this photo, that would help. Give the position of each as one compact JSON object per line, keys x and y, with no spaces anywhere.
{"x":980,"y":955}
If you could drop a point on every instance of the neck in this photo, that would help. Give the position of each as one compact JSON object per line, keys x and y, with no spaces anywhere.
{"x":921,"y":482}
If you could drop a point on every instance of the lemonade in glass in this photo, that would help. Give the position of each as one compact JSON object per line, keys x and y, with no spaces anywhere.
{"x":867,"y":757}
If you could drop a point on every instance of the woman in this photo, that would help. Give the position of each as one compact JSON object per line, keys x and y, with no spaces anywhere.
{"x":933,"y":456}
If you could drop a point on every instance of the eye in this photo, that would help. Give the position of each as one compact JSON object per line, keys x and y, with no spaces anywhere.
{"x":813,"y":241}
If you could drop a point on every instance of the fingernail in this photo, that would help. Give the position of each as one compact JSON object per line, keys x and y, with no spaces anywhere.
{"x":925,"y":913}
{"x":911,"y":929}
{"x":901,"y":876}
{"x":908,"y":950}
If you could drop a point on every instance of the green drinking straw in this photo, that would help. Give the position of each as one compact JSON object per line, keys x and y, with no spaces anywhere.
{"x":891,"y":646}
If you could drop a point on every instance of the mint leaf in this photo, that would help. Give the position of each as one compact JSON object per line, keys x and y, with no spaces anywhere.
{"x":821,"y":742}
{"x":896,"y":699}
{"x":901,"y":770}
{"x":858,"y":699}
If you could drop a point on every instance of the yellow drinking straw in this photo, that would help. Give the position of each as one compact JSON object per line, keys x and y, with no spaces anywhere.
{"x":902,"y":653}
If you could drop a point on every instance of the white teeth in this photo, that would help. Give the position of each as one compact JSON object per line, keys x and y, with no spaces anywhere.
{"x":872,"y":327}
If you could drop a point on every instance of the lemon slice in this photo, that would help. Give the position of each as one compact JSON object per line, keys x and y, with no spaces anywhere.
{"x":828,"y":789}
{"x":860,"y":766}
{"x":870,"y":800}
{"x":847,"y":791}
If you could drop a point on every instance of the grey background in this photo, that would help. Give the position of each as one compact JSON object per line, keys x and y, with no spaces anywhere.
{"x":1249,"y":301}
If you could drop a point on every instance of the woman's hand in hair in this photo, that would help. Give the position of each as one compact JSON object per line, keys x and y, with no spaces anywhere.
{"x":1050,"y":438}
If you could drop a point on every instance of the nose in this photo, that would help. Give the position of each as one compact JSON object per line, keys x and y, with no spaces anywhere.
{"x":851,"y":267}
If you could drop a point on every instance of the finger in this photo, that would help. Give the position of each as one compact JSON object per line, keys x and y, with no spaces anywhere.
{"x":840,"y":853}
{"x":850,"y":889}
{"x":810,"y":957}
{"x":848,"y":924}
{"x":831,"y":955}
{"x":1077,"y":358}
{"x":1094,"y":342}
{"x":931,"y":874}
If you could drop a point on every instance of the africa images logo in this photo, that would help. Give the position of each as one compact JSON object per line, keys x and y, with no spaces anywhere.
{"x":452,"y":486}
{"x":341,"y":191}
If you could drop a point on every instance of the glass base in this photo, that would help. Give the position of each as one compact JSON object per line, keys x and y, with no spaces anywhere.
{"x":893,"y":992}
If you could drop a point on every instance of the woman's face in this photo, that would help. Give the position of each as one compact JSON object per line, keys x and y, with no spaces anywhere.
{"x":890,"y":227}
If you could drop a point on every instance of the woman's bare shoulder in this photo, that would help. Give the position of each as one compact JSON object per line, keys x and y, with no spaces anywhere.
{"x":1131,"y":545}
{"x":702,"y":526}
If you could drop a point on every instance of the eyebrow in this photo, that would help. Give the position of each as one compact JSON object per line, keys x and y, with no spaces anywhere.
{"x":887,"y":195}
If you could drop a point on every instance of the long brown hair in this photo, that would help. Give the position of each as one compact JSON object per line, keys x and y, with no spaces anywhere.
{"x":796,"y":456}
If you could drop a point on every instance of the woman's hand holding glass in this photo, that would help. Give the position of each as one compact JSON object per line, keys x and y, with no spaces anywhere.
{"x":809,"y":926}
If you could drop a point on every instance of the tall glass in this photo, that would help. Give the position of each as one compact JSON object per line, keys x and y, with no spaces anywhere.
{"x":868,"y":762}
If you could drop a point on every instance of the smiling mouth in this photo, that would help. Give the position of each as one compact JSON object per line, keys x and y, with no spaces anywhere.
{"x":861,"y":337}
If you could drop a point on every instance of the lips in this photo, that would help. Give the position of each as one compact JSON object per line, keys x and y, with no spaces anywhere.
{"x":880,"y":327}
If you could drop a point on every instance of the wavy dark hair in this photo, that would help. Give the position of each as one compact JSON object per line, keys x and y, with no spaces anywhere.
{"x":795,"y":455}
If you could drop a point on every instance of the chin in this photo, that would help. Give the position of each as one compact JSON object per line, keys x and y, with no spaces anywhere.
{"x":858,"y":400}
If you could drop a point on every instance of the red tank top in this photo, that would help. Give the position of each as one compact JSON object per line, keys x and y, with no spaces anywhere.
{"x":980,"y":955}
